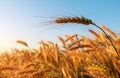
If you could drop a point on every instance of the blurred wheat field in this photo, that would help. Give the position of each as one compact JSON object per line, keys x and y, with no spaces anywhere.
{"x":78,"y":57}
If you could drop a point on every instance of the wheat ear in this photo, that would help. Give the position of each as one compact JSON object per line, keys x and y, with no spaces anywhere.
{"x":22,"y":42}
{"x":79,"y":20}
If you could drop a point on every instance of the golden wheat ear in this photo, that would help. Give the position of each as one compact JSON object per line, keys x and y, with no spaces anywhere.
{"x":22,"y":42}
{"x":79,"y":20}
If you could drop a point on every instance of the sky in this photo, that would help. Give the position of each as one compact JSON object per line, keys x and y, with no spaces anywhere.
{"x":26,"y":19}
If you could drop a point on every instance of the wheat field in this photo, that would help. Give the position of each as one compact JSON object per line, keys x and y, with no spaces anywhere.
{"x":78,"y":57}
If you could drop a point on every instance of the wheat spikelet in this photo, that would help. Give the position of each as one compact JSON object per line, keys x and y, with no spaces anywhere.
{"x":75,"y":42}
{"x":70,"y":37}
{"x":8,"y":68}
{"x":22,"y":42}
{"x":29,"y":65}
{"x":50,"y":43}
{"x":56,"y":53}
{"x":39,"y":73}
{"x":79,"y":46}
{"x":26,"y":72}
{"x":42,"y":45}
{"x":75,"y":63}
{"x":79,"y":20}
{"x":97,"y":67}
{"x":64,"y":72}
{"x":36,"y":75}
{"x":95,"y":34}
{"x":62,"y":40}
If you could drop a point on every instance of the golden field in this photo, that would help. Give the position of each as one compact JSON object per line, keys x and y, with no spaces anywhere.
{"x":77,"y":57}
